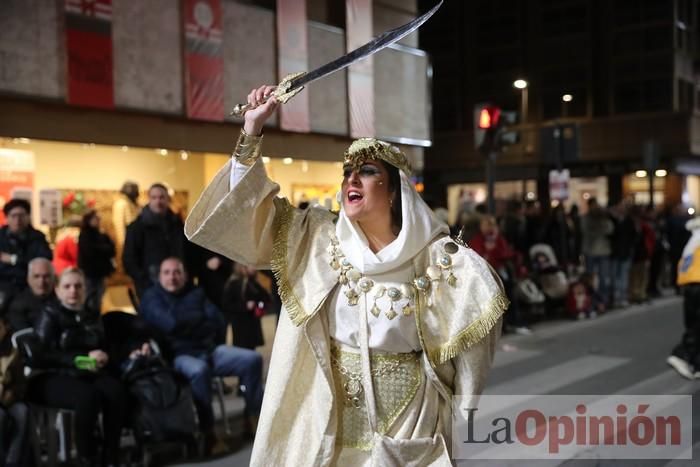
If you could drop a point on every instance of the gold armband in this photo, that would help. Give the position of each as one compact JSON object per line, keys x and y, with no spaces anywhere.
{"x":247,"y":148}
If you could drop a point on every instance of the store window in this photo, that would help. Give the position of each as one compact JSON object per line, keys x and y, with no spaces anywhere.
{"x":636,"y":187}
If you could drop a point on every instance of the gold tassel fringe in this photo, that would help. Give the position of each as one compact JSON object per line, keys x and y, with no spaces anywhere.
{"x":283,"y":219}
{"x":472,"y":333}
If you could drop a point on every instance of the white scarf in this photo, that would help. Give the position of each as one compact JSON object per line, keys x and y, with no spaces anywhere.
{"x":419,"y":227}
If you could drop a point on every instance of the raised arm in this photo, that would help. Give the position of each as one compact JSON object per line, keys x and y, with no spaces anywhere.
{"x":234,"y":215}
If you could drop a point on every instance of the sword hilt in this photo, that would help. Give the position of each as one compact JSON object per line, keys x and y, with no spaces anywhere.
{"x":240,"y":109}
{"x":282,"y":92}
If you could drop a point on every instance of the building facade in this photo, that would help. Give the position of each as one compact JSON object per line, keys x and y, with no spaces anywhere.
{"x":628,"y":68}
{"x":96,"y":92}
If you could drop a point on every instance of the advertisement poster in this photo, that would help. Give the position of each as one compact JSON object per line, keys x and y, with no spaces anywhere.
{"x":16,"y":176}
{"x":50,"y":208}
{"x":559,"y":184}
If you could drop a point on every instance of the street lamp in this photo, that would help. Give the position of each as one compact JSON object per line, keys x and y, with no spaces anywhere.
{"x":522,"y":85}
{"x":565,"y":99}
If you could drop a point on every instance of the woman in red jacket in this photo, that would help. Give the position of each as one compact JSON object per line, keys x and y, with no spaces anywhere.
{"x":493,"y":247}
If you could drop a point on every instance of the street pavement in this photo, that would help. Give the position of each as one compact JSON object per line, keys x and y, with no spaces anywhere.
{"x":621,"y":352}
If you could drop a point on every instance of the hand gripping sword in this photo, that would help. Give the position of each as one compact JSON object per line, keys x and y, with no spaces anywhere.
{"x":293,"y":83}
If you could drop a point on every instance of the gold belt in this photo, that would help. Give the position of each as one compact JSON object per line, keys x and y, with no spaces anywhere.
{"x":396,"y":378}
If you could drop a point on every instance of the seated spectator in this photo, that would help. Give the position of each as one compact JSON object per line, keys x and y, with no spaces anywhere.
{"x":26,"y":307}
{"x":13,"y":412}
{"x":82,"y":384}
{"x":19,"y":244}
{"x":192,"y":326}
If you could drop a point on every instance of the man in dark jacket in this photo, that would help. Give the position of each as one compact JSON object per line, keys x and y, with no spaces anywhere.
{"x":26,"y":307}
{"x":192,"y":327}
{"x":623,"y":241}
{"x":19,"y":244}
{"x":156,"y":234}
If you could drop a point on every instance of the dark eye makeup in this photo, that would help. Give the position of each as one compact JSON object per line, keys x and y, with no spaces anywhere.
{"x":366,"y":170}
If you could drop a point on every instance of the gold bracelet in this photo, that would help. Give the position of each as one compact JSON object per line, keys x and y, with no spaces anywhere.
{"x":247,"y":148}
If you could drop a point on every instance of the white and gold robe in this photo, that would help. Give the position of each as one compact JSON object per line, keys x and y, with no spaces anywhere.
{"x":299,"y":419}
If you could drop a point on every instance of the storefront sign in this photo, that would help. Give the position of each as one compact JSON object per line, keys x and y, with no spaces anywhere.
{"x":559,"y":184}
{"x":89,"y":60}
{"x":50,"y":208}
{"x":204,"y":63}
{"x":16,"y":176}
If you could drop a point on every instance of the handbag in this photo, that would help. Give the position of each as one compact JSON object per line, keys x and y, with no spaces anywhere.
{"x":387,"y":451}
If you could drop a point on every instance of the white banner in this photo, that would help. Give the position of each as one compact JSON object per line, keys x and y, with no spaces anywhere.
{"x":559,"y":184}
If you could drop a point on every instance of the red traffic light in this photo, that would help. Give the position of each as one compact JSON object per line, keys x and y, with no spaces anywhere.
{"x":489,"y":116}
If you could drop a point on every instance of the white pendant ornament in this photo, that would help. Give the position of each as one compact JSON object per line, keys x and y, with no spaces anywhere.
{"x":354,"y":275}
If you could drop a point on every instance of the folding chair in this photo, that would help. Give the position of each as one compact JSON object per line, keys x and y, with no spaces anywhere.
{"x":51,"y":425}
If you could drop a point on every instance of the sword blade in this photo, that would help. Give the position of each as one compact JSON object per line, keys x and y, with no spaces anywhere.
{"x":384,"y":40}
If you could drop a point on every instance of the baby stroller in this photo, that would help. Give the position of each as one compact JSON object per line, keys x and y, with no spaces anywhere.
{"x":530,"y":296}
{"x":549,"y":277}
{"x":160,"y":401}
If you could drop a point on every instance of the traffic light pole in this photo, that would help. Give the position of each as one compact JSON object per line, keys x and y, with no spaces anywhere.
{"x":490,"y":183}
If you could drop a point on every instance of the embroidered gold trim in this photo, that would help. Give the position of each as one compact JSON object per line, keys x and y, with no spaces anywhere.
{"x":396,"y":379}
{"x":364,"y":149}
{"x":472,"y":333}
{"x":281,"y":223}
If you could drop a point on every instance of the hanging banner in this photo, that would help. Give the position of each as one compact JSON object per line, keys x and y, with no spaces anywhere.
{"x":293,"y":56}
{"x":89,"y":60}
{"x":204,"y":63}
{"x":359,"y":21}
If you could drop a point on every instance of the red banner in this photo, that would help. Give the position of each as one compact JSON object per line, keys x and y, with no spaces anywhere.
{"x":204,"y":63}
{"x":89,"y":65}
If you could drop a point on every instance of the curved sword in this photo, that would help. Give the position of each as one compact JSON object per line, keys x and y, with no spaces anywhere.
{"x":292,"y":84}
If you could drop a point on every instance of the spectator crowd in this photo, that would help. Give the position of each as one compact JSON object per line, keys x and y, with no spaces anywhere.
{"x":576,"y":264}
{"x":58,"y":349}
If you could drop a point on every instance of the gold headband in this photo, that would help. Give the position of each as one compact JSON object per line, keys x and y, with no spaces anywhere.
{"x":364,"y":149}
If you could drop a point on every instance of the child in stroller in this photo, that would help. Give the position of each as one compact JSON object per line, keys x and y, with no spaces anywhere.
{"x":549,"y":277}
{"x":583,"y":301}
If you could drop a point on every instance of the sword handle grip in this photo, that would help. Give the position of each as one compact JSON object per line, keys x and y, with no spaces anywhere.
{"x":240,"y":109}
{"x":282,"y":93}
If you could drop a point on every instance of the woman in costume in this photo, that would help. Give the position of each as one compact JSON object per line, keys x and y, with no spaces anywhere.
{"x":385,"y":316}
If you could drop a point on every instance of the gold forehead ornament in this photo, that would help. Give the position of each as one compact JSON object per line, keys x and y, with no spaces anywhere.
{"x":364,"y":149}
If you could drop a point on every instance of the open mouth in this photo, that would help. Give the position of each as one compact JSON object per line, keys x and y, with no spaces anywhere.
{"x":354,"y":196}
